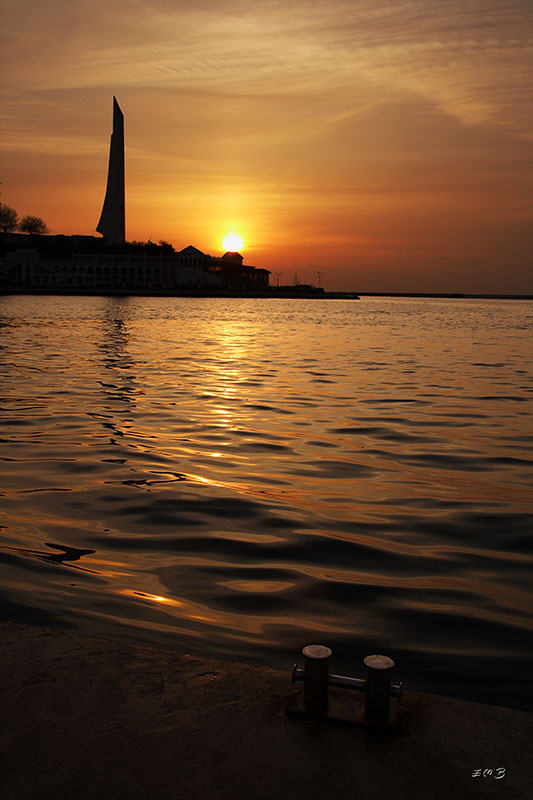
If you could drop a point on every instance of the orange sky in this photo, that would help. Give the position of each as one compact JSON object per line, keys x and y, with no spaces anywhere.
{"x":387,"y":145}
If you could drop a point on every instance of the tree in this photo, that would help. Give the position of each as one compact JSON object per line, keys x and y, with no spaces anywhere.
{"x":166,"y":247}
{"x":8,"y":218}
{"x":29,"y":224}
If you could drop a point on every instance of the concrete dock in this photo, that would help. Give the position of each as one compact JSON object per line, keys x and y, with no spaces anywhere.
{"x":84,"y":717}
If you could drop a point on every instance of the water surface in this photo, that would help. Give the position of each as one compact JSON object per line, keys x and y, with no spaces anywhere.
{"x":243,"y":477}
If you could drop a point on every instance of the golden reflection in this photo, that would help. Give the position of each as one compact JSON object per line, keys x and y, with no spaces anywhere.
{"x":154,"y":598}
{"x":229,"y":336}
{"x":105,"y":568}
{"x":242,"y":623}
{"x":261,"y":538}
{"x":257,"y":586}
{"x":207,"y":481}
{"x":109,"y":573}
{"x":241,"y":488}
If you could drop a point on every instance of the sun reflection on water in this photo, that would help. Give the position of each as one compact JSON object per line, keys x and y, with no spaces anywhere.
{"x":154,"y":598}
{"x":370,"y":480}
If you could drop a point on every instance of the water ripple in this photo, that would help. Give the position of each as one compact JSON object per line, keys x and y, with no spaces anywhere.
{"x":181,"y":471}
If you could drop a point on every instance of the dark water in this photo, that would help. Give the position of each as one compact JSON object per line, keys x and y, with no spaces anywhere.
{"x":245,"y":477}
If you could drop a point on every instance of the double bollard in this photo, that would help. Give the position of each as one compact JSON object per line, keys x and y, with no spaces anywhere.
{"x":377,"y":686}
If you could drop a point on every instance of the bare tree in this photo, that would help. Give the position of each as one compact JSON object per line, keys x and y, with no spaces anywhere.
{"x":8,"y":218}
{"x":29,"y":224}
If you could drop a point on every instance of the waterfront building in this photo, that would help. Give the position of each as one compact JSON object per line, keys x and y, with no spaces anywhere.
{"x":236,"y":275}
{"x":78,"y":263}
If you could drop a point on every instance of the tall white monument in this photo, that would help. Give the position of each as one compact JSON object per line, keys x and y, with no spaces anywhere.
{"x":112,"y":223}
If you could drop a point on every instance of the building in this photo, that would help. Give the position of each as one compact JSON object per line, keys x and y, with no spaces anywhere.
{"x":238,"y":276}
{"x":83,"y":264}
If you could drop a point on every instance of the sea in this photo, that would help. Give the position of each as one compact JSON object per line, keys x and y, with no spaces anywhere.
{"x":241,"y":477}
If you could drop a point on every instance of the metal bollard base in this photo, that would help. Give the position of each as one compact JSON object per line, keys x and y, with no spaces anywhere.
{"x":344,"y":709}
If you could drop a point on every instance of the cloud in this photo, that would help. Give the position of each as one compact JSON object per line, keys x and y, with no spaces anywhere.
{"x":471,"y":58}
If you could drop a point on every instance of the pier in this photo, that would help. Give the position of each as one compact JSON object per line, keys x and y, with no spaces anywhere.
{"x":88,"y":717}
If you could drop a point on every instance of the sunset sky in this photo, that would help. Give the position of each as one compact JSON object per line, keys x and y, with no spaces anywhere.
{"x":385,"y":144}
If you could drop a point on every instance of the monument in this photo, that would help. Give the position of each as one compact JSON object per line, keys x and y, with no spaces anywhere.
{"x":112,"y":224}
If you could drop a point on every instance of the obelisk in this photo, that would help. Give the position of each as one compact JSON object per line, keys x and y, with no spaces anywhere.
{"x":112,"y":223}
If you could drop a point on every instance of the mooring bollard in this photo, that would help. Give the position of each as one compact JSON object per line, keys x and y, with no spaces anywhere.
{"x":316,"y":673}
{"x":377,"y":689}
{"x":377,"y":686}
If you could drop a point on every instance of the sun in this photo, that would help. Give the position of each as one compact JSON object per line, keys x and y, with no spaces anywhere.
{"x":232,"y":242}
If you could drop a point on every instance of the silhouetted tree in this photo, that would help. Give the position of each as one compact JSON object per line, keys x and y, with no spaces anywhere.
{"x":8,"y":218}
{"x":166,"y":247}
{"x":29,"y":224}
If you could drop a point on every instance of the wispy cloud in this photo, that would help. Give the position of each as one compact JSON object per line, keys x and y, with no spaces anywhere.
{"x":471,"y":58}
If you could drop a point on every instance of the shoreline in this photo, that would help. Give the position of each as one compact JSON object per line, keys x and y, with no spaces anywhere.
{"x":185,"y":293}
{"x":273,"y":293}
{"x":90,"y":717}
{"x":450,"y":295}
